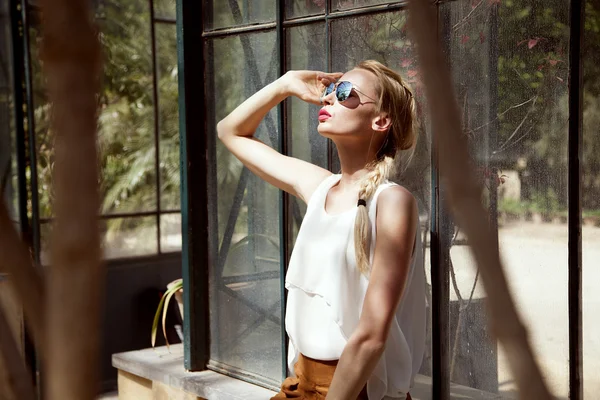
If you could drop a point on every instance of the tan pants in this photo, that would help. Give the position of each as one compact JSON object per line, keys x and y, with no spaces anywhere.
{"x":312,"y":381}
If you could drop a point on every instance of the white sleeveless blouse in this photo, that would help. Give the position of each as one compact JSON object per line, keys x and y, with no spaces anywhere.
{"x":326,"y":293}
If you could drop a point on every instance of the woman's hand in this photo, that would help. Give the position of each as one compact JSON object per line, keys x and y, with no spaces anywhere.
{"x":308,"y":85}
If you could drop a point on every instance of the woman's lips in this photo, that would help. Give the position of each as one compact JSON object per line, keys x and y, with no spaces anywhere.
{"x":323,"y":115}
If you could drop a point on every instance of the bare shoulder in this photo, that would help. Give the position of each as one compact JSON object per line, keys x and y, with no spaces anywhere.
{"x":396,"y":226}
{"x":397,"y":213}
{"x":395,"y":200}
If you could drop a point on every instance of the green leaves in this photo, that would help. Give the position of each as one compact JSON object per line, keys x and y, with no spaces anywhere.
{"x":163,"y":307}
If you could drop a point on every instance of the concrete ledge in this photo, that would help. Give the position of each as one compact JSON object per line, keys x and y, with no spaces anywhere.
{"x":164,"y":367}
{"x":157,"y":374}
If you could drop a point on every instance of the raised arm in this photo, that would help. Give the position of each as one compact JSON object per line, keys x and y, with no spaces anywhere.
{"x":236,"y":131}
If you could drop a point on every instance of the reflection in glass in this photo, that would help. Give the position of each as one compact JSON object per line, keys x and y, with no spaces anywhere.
{"x":168,"y":108}
{"x":511,"y":85}
{"x":245,"y":294}
{"x":384,"y":37}
{"x":302,"y":8}
{"x":238,"y":12}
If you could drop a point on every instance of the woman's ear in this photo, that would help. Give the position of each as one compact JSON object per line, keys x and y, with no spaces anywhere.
{"x":381,"y":123}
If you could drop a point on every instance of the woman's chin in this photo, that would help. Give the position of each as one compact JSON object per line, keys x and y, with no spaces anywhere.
{"x":324,"y":129}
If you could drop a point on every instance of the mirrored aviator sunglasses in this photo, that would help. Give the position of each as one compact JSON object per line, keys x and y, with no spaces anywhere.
{"x":342,"y":90}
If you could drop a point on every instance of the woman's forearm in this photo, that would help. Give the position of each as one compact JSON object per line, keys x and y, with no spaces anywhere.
{"x":358,"y":360}
{"x":244,"y":120}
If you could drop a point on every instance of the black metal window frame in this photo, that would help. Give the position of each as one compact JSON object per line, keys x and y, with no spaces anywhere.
{"x":196,"y":168}
{"x":197,"y":223}
{"x":22,"y":10}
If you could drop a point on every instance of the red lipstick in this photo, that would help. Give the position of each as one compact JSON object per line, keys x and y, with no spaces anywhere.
{"x":323,"y":115}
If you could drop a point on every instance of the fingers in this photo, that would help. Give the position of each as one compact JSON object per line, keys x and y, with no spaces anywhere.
{"x":328,"y":77}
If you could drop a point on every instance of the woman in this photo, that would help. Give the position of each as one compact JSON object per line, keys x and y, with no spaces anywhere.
{"x":355,"y":314}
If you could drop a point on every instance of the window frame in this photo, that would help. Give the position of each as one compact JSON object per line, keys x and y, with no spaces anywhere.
{"x":197,"y":260}
{"x":197,"y":168}
{"x":30,"y":12}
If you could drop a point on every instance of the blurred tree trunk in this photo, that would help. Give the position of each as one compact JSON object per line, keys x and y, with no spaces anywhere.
{"x":71,"y":54}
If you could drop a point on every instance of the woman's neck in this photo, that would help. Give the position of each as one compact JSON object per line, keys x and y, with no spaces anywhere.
{"x":353,"y":162}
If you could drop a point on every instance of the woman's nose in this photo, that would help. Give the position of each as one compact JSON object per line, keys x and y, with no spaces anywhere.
{"x":329,"y":99}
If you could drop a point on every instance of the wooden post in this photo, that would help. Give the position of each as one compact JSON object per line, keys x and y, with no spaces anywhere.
{"x":465,"y":202}
{"x":71,"y":53}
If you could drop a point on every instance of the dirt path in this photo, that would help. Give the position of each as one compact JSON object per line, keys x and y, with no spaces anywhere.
{"x":535,"y":258}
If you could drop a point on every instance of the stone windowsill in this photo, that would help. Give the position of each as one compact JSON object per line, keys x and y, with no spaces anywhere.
{"x":166,"y":367}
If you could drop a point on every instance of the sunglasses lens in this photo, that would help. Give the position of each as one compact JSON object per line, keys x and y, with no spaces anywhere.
{"x":329,"y":89}
{"x":343,"y":91}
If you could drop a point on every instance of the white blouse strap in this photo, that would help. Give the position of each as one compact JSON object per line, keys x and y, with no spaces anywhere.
{"x":320,"y":193}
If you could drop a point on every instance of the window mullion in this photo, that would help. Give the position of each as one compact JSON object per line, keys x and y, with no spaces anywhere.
{"x":195,"y":165}
{"x":284,"y":199}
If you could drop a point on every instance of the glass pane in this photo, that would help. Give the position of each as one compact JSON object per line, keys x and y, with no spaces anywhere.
{"x":346,"y":4}
{"x":306,"y":47}
{"x":121,"y":237}
{"x":591,"y":203}
{"x":384,"y":37}
{"x":170,"y":233}
{"x":245,"y":295}
{"x":128,"y":237}
{"x":166,"y":47}
{"x":302,"y":8}
{"x":126,"y":132}
{"x":8,"y":160}
{"x":512,"y":87}
{"x":238,"y":12}
{"x":126,"y":122}
{"x":164,"y":8}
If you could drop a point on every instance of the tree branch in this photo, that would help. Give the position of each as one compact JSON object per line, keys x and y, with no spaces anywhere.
{"x":72,"y":63}
{"x":15,"y":381}
{"x":464,"y":201}
{"x":27,"y":282}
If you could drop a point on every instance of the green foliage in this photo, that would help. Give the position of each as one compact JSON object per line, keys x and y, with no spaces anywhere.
{"x":545,"y":202}
{"x":591,"y":213}
{"x":532,"y":68}
{"x":591,"y":151}
{"x":512,"y":206}
{"x":127,"y":153}
{"x":532,"y":54}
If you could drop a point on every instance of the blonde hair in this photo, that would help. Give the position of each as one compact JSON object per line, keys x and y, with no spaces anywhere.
{"x":397,"y":101}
